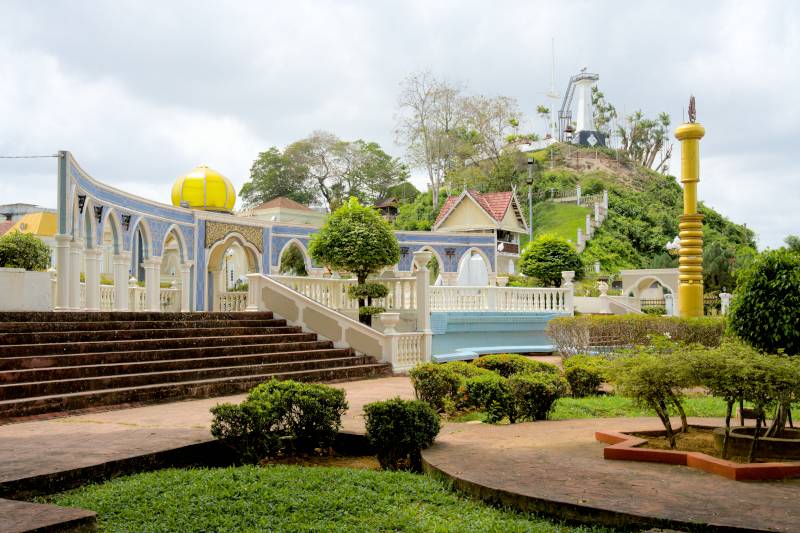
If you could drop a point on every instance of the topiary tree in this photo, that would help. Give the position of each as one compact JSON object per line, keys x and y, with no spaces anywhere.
{"x":399,"y":430}
{"x":547,"y":256}
{"x":355,"y":239}
{"x":23,"y":250}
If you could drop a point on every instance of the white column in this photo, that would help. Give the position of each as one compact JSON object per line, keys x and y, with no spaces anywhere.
{"x":61,"y":302}
{"x":254,"y":302}
{"x":578,"y":193}
{"x":423,"y":300}
{"x":567,"y":276}
{"x":605,"y":201}
{"x":121,"y":264}
{"x":597,"y":212}
{"x":580,"y":240}
{"x":389,"y":322}
{"x":186,"y":286}
{"x":605,"y":301}
{"x":75,"y":248}
{"x":91,"y":269}
{"x":152,"y":284}
{"x":589,"y":225}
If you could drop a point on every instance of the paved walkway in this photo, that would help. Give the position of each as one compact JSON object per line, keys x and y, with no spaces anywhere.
{"x":41,"y":447}
{"x":558,"y":466}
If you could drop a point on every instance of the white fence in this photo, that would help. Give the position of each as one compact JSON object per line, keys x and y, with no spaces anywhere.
{"x":332,"y":292}
{"x":526,"y":299}
{"x":169,"y":298}
{"x":231,"y":301}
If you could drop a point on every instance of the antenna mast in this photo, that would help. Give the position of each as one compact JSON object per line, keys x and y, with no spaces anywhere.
{"x":553,"y":94}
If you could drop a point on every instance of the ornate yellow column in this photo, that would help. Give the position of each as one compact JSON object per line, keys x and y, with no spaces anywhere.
{"x":690,"y":291}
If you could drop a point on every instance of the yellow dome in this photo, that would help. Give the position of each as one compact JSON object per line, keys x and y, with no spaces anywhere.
{"x":204,"y":188}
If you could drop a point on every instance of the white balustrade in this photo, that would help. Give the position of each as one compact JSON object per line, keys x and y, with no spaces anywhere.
{"x":170,"y":300}
{"x":409,"y":349}
{"x":106,"y":297}
{"x":490,"y":298}
{"x":82,"y":299}
{"x":137,"y":298}
{"x":231,"y":301}
{"x":332,"y":292}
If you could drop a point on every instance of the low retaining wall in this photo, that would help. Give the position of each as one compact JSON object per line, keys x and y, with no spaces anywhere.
{"x":23,"y":290}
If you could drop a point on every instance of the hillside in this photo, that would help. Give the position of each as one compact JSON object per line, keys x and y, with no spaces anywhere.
{"x":557,"y":219}
{"x":644,"y":207}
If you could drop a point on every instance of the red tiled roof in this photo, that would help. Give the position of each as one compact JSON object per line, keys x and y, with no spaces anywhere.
{"x":494,"y":203}
{"x":285,"y":203}
{"x":6,"y":225}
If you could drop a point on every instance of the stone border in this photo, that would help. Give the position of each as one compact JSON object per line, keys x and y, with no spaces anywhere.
{"x":625,"y":447}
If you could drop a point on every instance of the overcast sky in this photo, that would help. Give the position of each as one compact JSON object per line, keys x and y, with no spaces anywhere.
{"x":141,"y":92}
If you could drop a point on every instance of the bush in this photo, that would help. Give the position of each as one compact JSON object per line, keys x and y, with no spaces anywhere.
{"x":399,"y":430}
{"x":305,"y":415}
{"x":369,"y":310}
{"x":546,"y":257}
{"x":367,"y":291}
{"x":764,"y":311}
{"x":533,"y":395}
{"x":435,"y":384}
{"x":507,"y":364}
{"x":585,"y":374}
{"x":491,"y":393}
{"x":23,"y":250}
{"x":655,"y":311}
{"x":573,"y":335}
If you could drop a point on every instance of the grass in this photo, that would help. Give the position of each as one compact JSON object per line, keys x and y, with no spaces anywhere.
{"x":611,"y":406}
{"x":562,"y":220}
{"x":290,"y":498}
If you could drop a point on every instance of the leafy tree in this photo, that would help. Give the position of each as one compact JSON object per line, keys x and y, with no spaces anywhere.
{"x":416,"y":216}
{"x":293,"y":263}
{"x":544,"y":114}
{"x":547,"y":256}
{"x":604,"y":112}
{"x":792,"y":243}
{"x":643,"y":139}
{"x":492,"y":120}
{"x":355,"y":239}
{"x":23,"y":250}
{"x":273,"y":174}
{"x":764,"y":310}
{"x":341,"y":169}
{"x":404,"y":191}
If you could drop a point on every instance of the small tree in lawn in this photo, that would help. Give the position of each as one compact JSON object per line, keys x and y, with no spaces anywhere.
{"x":357,"y":239}
{"x":764,"y":312}
{"x":547,"y":256}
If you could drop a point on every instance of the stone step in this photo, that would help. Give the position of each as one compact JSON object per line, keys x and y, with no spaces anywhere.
{"x":156,"y":393}
{"x":115,"y":369}
{"x":19,"y":350}
{"x":8,"y":339}
{"x":36,"y":327}
{"x":132,"y":356}
{"x":105,"y":316}
{"x":83,"y":384}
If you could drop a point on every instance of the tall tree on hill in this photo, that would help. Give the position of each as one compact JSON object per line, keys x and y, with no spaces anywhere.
{"x":493,"y":120}
{"x":429,"y":125}
{"x":273,"y":174}
{"x":603,"y":112}
{"x":792,"y":243}
{"x":646,"y":141}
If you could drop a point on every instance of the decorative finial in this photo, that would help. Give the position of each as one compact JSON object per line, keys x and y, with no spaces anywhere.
{"x":692,"y":110}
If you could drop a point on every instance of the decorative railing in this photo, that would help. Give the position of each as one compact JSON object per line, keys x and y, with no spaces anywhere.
{"x":231,"y":301}
{"x":530,"y":299}
{"x":332,"y":292}
{"x":408,"y":350}
{"x":106,"y":297}
{"x":169,"y":298}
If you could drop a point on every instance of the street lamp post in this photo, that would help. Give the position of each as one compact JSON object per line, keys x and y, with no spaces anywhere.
{"x":228,"y":255}
{"x":530,"y":199}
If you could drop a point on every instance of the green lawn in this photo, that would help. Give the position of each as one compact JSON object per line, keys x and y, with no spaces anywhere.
{"x":291,"y":498}
{"x":610,"y":406}
{"x":562,"y":220}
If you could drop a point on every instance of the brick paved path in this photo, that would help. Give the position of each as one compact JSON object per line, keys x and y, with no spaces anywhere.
{"x":560,"y":462}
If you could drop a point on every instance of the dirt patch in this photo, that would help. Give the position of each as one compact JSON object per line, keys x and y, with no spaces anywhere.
{"x":696,"y":440}
{"x":357,"y":462}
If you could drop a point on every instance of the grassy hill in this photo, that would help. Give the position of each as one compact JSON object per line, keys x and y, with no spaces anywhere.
{"x":562,"y":220}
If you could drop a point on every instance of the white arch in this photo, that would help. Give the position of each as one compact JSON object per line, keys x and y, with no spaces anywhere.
{"x":89,"y":225}
{"x":243,"y":242}
{"x":637,"y":288}
{"x":480,"y":252}
{"x":147,"y":237}
{"x":111,"y":218}
{"x":303,"y":250}
{"x":473,"y":275}
{"x":175,"y":230}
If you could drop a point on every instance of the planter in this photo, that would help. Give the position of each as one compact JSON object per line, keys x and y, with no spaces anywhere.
{"x":741,"y":438}
{"x":23,"y":290}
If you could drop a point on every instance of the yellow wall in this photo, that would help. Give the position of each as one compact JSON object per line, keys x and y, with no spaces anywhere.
{"x":510,"y":222}
{"x":467,"y":215}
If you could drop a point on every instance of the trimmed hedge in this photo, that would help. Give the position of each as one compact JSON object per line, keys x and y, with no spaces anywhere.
{"x":574,"y":335}
{"x":280,"y":414}
{"x":508,"y":364}
{"x":399,"y":430}
{"x":442,"y":384}
{"x":519,"y":398}
{"x":585,"y":374}
{"x":491,"y":393}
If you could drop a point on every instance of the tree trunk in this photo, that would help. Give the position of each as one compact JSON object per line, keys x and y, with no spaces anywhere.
{"x":728,"y":413}
{"x":681,"y":412}
{"x":663,"y":414}
{"x":754,"y":444}
{"x":776,"y":430}
{"x":741,"y":412}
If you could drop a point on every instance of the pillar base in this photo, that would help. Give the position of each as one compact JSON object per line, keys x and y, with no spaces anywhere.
{"x":690,"y":299}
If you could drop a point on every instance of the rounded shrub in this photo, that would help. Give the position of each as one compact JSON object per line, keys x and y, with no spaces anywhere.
{"x":533,"y":395}
{"x":585,"y":374}
{"x":547,"y":256}
{"x":399,"y":430}
{"x":23,"y":250}
{"x":281,"y":415}
{"x":507,"y":364}
{"x":764,"y":311}
{"x":435,"y":384}
{"x":367,"y":291}
{"x":491,"y":394}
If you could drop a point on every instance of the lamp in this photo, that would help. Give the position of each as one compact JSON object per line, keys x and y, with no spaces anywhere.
{"x":530,"y":198}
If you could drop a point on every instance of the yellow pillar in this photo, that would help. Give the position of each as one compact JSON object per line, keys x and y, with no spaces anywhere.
{"x":690,"y":290}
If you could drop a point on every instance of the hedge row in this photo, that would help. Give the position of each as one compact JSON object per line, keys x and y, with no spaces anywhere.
{"x":574,"y":335}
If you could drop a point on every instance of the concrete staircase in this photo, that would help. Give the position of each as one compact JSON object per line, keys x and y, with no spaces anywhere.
{"x":53,"y":362}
